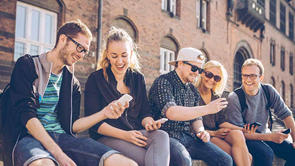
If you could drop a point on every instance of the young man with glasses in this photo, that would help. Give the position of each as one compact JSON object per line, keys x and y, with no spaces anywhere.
{"x":173,"y":96}
{"x":262,"y":145}
{"x":45,"y":106}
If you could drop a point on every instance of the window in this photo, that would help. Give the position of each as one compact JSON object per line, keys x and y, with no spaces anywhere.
{"x":282,"y":18}
{"x":35,"y":30}
{"x":283,"y":58}
{"x":272,"y":11}
{"x":166,"y":56}
{"x":291,"y":96}
{"x":282,"y":90}
{"x":272,"y":52}
{"x":170,"y":6}
{"x":291,"y":26}
{"x":273,"y":82}
{"x":291,"y":64}
{"x":240,"y":57}
{"x":126,"y":24}
{"x":261,"y":3}
{"x":201,"y":14}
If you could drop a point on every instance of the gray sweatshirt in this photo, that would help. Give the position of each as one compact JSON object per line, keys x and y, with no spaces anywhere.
{"x":256,"y":111}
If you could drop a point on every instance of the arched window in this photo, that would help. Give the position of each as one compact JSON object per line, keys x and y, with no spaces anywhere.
{"x":291,"y":64}
{"x":291,"y":96}
{"x":283,"y":59}
{"x":240,"y":57}
{"x":273,"y":82}
{"x":206,"y":54}
{"x":282,"y":90}
{"x":168,"y":52}
{"x":126,"y":24}
{"x":272,"y":52}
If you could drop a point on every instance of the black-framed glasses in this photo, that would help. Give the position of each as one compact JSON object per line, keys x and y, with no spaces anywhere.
{"x":210,"y":75}
{"x":79,"y":47}
{"x":252,"y":76}
{"x":194,"y":67}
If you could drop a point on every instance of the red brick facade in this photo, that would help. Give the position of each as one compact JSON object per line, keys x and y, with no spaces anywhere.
{"x":221,"y":41}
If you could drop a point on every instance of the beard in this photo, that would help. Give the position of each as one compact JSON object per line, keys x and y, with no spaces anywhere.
{"x":63,"y":55}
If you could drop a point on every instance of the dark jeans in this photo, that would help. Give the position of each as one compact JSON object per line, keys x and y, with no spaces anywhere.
{"x":187,"y":148}
{"x":263,"y":152}
{"x":83,"y":151}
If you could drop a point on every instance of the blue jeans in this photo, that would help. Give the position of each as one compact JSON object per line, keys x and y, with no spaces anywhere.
{"x":187,"y":148}
{"x":263,"y":152}
{"x":83,"y":151}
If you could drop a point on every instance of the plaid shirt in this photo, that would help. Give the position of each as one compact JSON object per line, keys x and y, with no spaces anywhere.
{"x":168,"y":90}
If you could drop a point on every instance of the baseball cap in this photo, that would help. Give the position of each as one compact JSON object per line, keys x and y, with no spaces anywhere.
{"x":189,"y":54}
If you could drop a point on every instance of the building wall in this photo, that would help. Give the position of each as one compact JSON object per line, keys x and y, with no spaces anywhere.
{"x":221,"y":42}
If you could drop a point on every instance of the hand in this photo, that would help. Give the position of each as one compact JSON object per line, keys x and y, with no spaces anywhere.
{"x":248,"y":129}
{"x":216,"y":105}
{"x":293,"y":145}
{"x":278,"y":137}
{"x":64,"y":160}
{"x":135,"y":137}
{"x":114,"y":112}
{"x":221,"y":133}
{"x":152,"y":125}
{"x":204,"y":136}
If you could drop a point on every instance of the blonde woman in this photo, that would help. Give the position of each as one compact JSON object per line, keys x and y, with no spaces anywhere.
{"x":228,"y":137}
{"x":135,"y":133}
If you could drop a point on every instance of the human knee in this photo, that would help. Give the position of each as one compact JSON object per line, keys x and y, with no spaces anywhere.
{"x":160,"y":134}
{"x":119,"y":160}
{"x":237,"y":136}
{"x":42,"y":162}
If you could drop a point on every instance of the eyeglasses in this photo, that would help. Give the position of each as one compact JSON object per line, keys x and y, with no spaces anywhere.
{"x":210,"y":75}
{"x":252,"y":76}
{"x":194,"y":68}
{"x":79,"y":47}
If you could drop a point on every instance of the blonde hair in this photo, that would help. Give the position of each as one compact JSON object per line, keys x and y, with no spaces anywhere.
{"x":118,"y":35}
{"x":251,"y":61}
{"x":220,"y":86}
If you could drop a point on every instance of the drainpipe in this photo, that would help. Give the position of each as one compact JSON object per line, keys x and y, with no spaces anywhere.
{"x":98,"y":42}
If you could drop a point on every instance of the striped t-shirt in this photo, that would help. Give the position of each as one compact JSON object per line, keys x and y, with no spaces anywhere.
{"x":46,"y":113}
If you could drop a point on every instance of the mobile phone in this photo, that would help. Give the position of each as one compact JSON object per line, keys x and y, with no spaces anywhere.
{"x":255,"y":124}
{"x":163,"y":120}
{"x":225,"y":95}
{"x":125,"y":98}
{"x":288,"y":131}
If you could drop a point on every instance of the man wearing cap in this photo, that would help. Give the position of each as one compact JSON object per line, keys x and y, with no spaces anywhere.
{"x":173,"y":96}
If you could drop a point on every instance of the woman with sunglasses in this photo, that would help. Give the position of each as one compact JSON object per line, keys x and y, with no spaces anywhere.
{"x":211,"y":84}
{"x":134,"y":133}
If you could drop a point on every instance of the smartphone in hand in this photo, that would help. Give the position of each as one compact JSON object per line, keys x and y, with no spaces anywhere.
{"x":122,"y":100}
{"x":288,"y":131}
{"x":254,"y":124}
{"x":162,"y":120}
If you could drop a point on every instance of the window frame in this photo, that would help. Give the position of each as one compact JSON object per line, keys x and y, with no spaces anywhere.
{"x":272,"y":53}
{"x":170,"y":3}
{"x":27,"y":41}
{"x":291,"y":26}
{"x":168,"y":67}
{"x":283,"y":63}
{"x":273,"y":12}
{"x":282,"y":18}
{"x":202,"y":14}
{"x":291,"y":63}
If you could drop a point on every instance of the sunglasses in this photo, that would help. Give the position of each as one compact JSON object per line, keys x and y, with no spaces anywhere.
{"x":194,"y":68}
{"x":79,"y":47}
{"x":210,"y":75}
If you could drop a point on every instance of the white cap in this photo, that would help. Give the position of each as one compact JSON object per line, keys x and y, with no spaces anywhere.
{"x":189,"y":54}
